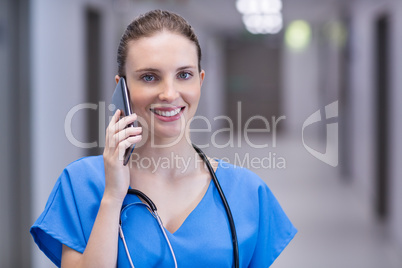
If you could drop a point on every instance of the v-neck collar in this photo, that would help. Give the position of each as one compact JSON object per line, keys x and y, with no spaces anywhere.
{"x":135,"y":199}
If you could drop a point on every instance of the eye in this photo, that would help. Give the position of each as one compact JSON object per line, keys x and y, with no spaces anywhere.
{"x":184,"y":75}
{"x":148,"y":78}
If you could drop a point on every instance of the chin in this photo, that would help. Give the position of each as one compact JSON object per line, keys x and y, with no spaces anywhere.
{"x":174,"y":133}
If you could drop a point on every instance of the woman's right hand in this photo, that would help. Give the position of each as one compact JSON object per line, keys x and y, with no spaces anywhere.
{"x":119,"y":137}
{"x":101,"y":249}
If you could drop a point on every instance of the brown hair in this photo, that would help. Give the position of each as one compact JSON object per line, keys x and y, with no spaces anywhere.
{"x":150,"y":23}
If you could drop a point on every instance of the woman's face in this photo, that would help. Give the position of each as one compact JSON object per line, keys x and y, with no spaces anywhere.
{"x":164,"y":82}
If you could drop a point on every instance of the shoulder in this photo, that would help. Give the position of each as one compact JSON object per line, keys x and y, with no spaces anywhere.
{"x":85,"y":165}
{"x":90,"y":167}
{"x":85,"y":176}
{"x":237,"y":175}
{"x":241,"y":185}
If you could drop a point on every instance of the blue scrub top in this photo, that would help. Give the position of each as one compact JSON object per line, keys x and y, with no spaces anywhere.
{"x":204,"y":238}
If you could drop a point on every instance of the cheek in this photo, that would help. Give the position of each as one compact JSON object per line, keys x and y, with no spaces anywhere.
{"x":193,"y":97}
{"x":191,"y":92}
{"x":138,"y":100}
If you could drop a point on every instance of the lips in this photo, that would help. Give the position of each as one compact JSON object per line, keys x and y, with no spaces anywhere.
{"x":167,"y":113}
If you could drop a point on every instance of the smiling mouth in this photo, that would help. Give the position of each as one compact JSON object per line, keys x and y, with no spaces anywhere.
{"x":167,"y":112}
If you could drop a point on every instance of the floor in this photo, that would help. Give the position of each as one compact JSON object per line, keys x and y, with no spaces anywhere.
{"x":335,"y":227}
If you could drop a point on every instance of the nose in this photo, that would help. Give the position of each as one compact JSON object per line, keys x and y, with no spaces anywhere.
{"x":168,"y":91}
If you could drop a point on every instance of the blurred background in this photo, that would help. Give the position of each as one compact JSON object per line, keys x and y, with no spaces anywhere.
{"x":320,"y":80}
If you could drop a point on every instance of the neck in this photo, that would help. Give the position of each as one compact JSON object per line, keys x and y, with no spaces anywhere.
{"x":169,"y":160}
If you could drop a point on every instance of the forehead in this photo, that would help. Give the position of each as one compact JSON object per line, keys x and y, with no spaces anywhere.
{"x":162,"y":50}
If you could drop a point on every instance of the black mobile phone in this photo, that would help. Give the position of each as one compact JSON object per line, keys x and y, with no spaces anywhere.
{"x":121,"y":101}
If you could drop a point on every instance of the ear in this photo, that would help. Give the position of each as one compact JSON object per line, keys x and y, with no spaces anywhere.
{"x":117,"y":78}
{"x":202,"y":75}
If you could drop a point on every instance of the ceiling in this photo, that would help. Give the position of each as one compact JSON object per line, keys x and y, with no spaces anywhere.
{"x":222,"y":16}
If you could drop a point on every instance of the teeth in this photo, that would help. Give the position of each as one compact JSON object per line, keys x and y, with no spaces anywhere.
{"x":167,"y":113}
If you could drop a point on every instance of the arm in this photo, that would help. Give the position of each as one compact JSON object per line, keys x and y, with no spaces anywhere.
{"x":101,"y":250}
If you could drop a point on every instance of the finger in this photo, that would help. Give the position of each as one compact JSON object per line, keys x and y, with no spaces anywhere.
{"x":110,"y":128}
{"x":126,"y":144}
{"x":124,"y":134}
{"x":125,"y":121}
{"x":115,"y":117}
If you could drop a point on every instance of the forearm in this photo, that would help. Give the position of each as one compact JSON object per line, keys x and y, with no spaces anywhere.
{"x":101,"y":249}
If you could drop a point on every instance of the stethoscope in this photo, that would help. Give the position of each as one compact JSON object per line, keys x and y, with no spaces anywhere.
{"x":152,"y":208}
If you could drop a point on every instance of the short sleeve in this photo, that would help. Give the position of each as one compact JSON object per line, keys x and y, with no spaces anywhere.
{"x":275,"y":230}
{"x":60,"y":222}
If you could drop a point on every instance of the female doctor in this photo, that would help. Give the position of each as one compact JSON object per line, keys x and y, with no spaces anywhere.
{"x":91,"y":221}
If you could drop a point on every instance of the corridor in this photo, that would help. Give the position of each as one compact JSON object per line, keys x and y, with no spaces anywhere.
{"x":294,"y":66}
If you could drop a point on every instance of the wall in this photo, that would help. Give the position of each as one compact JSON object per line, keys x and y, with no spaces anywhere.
{"x":15,"y":139}
{"x":361,"y":85}
{"x":396,"y":126}
{"x":303,"y":71}
{"x":363,"y":16}
{"x":58,"y":84}
{"x":5,"y":143}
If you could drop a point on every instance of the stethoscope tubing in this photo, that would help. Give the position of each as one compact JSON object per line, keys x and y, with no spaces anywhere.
{"x":225,"y":204}
{"x":151,"y":206}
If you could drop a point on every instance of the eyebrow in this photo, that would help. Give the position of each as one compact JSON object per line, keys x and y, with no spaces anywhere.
{"x":157,"y":70}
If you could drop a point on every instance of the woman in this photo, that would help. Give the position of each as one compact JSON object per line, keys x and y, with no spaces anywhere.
{"x":159,"y":56}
